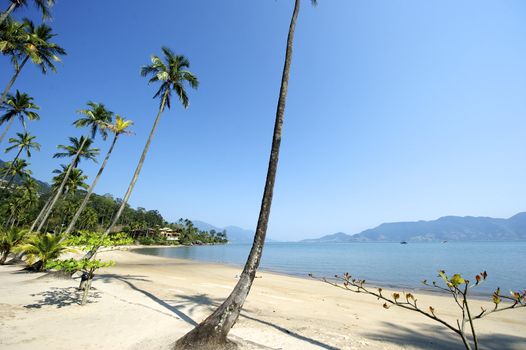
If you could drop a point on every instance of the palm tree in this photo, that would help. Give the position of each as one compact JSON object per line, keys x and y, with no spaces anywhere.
{"x":37,"y":47}
{"x":8,"y":240}
{"x":74,"y":181}
{"x":173,"y":75}
{"x":12,"y":37}
{"x":212,"y":332}
{"x":79,"y":148}
{"x":17,"y":168}
{"x":120,"y":127}
{"x":43,"y":5}
{"x":43,"y":248}
{"x":19,"y":106}
{"x":24,"y":142}
{"x":78,"y":145}
{"x":96,"y":118}
{"x":22,"y":204}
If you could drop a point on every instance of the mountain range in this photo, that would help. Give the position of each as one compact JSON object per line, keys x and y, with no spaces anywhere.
{"x":43,"y":186}
{"x":447,"y":228}
{"x":235,"y":234}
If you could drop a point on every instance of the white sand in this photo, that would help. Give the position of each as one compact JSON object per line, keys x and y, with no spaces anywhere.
{"x":147,"y":302}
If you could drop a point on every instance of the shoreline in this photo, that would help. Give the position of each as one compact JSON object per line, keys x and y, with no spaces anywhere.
{"x":481,"y":296}
{"x":147,"y":302}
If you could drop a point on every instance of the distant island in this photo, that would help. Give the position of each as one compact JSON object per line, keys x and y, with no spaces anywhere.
{"x":447,"y":228}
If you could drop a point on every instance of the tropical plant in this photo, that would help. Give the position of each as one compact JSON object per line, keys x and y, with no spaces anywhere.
{"x":96,"y":118}
{"x":19,"y":106}
{"x":74,"y":182}
{"x":9,"y":239}
{"x":42,"y":248}
{"x":120,"y":127}
{"x":213,"y":331}
{"x":86,"y":266}
{"x":20,"y":204}
{"x":43,"y":5}
{"x":34,"y":44}
{"x":12,"y":37}
{"x":17,"y":168}
{"x":24,"y":142}
{"x":78,"y":149}
{"x":456,"y":286}
{"x":173,"y":74}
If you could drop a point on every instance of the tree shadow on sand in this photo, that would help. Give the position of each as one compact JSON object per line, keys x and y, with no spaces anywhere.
{"x":437,"y":338}
{"x":191,"y":302}
{"x":62,"y":297}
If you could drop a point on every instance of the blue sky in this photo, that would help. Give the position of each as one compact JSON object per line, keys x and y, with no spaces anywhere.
{"x":397,"y":110}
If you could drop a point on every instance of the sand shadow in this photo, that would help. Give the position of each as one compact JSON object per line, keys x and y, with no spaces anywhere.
{"x":436,"y":337}
{"x":62,"y":297}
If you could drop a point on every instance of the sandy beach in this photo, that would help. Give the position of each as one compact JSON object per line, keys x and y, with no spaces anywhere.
{"x":147,"y":302}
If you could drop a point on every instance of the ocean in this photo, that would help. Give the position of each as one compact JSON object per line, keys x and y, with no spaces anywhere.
{"x":392,"y":265}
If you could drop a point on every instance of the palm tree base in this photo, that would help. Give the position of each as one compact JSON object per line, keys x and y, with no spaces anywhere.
{"x":205,"y":337}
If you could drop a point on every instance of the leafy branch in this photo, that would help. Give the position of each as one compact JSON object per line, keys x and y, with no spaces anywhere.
{"x":456,"y":286}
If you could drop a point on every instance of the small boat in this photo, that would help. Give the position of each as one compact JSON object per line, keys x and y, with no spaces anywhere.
{"x":403,"y":242}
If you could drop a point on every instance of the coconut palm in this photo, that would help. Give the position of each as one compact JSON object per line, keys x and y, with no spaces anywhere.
{"x":24,"y":142}
{"x":19,"y":106}
{"x":79,"y":148}
{"x":9,"y":239}
{"x":213,"y":331}
{"x":17,"y":168}
{"x":22,"y":203}
{"x":74,"y":181}
{"x":173,"y":74}
{"x":37,"y":47}
{"x":43,"y":248}
{"x":120,"y":127}
{"x":42,"y":5}
{"x":12,"y":37}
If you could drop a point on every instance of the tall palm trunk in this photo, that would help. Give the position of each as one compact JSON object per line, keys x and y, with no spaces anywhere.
{"x":11,"y":82}
{"x":61,"y":187}
{"x":42,"y":211}
{"x":93,"y":251}
{"x":12,"y":162}
{"x":9,"y":124}
{"x":212,"y":332}
{"x":92,"y":187}
{"x":6,"y":14}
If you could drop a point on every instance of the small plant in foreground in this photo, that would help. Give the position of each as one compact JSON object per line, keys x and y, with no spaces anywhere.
{"x":86,"y":266}
{"x":456,"y":286}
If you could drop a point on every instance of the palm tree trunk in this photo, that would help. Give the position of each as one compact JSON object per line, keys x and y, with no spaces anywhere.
{"x":92,"y":187}
{"x":61,"y":187}
{"x":93,"y":251}
{"x":6,"y":14}
{"x":11,"y":82}
{"x":7,"y":129}
{"x":212,"y":332}
{"x":42,"y":211}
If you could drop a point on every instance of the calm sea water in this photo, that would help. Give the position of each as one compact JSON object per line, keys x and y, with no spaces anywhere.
{"x":385,"y":264}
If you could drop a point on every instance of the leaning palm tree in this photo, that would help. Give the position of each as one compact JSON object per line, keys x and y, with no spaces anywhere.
{"x":15,"y":169}
{"x":74,"y":181}
{"x":120,"y":127}
{"x":21,"y":205}
{"x":42,"y":5}
{"x":36,"y":46}
{"x":19,"y":106}
{"x":212,"y":332}
{"x":79,"y":149}
{"x":173,"y":74}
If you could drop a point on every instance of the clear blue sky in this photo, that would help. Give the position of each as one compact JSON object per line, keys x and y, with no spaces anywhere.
{"x":397,"y":110}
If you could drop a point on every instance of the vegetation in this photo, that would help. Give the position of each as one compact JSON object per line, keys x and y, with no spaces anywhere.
{"x":41,"y":248}
{"x":456,"y":286}
{"x":9,"y":239}
{"x":19,"y":106}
